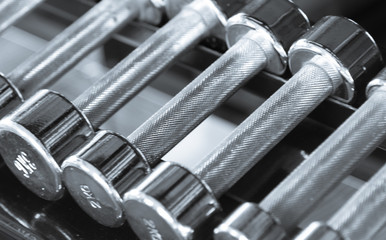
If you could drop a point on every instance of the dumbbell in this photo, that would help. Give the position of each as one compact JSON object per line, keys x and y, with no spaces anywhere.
{"x":101,"y":171}
{"x":174,"y":201}
{"x":67,"y":49}
{"x":12,"y":11}
{"x":362,"y":217}
{"x":37,"y":136}
{"x":290,"y":202}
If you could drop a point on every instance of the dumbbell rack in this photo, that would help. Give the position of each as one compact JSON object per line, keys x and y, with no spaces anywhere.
{"x":24,"y":216}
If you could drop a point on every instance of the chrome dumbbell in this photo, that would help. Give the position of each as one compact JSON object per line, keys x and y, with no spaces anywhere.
{"x":325,"y":168}
{"x":362,"y":217}
{"x":173,"y":201}
{"x":47,"y":127}
{"x":66,"y":49}
{"x":101,"y":171}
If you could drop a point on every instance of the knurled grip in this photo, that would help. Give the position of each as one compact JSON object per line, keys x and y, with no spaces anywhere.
{"x":133,"y":73}
{"x":364,"y":214}
{"x":71,"y":45}
{"x":12,"y":11}
{"x":200,"y":98}
{"x":333,"y":160}
{"x":266,"y":126}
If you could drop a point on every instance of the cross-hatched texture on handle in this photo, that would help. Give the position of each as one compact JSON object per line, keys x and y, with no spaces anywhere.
{"x":200,"y":98}
{"x":133,"y":73}
{"x":12,"y":11}
{"x":364,"y":214}
{"x":266,"y":126}
{"x":71,"y":45}
{"x":333,"y":160}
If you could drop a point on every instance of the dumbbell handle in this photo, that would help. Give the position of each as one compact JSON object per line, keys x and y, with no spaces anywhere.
{"x":200,"y":98}
{"x":333,"y":160}
{"x":12,"y":11}
{"x":71,"y":45}
{"x":265,"y":127}
{"x":133,"y":73}
{"x":364,"y":214}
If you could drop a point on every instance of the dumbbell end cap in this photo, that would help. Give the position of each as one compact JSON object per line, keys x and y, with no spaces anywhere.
{"x":240,"y":24}
{"x":92,"y":192}
{"x":249,"y":222}
{"x":343,"y":43}
{"x":171,"y":203}
{"x":37,"y":136}
{"x":29,"y":161}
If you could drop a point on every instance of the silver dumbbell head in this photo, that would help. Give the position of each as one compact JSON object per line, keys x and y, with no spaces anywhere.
{"x":318,"y":231}
{"x":280,"y":21}
{"x":249,"y":222}
{"x":37,"y":136}
{"x":346,"y":44}
{"x":171,"y":203}
{"x":100,"y":171}
{"x":10,"y":97}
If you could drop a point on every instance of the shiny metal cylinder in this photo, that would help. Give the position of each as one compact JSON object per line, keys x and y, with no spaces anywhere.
{"x":319,"y":74}
{"x":174,"y":204}
{"x":158,"y":52}
{"x":11,"y":11}
{"x":352,"y":48}
{"x":71,"y":45}
{"x":37,"y":137}
{"x":100,"y":172}
{"x":191,"y":106}
{"x":244,"y":225}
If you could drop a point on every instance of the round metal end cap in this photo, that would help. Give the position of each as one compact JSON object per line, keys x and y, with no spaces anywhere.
{"x":35,"y":138}
{"x":240,"y":24}
{"x":100,"y":172}
{"x":171,"y":203}
{"x":318,"y":231}
{"x":10,"y":97}
{"x":344,"y":43}
{"x":282,"y":18}
{"x":29,"y":161}
{"x":93,"y":193}
{"x":249,"y":222}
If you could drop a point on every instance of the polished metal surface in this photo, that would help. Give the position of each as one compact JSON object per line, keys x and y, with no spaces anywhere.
{"x":12,"y":11}
{"x":103,"y":169}
{"x":353,"y":49}
{"x":275,"y":16}
{"x":172,"y":204}
{"x":249,"y":222}
{"x":37,"y":136}
{"x":138,"y":69}
{"x":25,"y":216}
{"x":332,"y":161}
{"x":168,"y":126}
